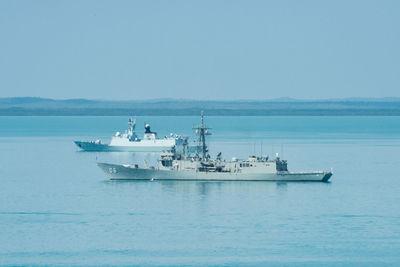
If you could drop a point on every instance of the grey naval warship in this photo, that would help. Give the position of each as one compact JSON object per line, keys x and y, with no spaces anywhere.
{"x":200,"y":167}
{"x":129,"y":141}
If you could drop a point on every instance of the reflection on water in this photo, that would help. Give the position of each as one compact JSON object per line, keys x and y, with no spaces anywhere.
{"x":206,"y":188}
{"x":281,"y":186}
{"x":214,"y":187}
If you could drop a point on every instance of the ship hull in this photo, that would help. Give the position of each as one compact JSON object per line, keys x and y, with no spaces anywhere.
{"x":95,"y":147}
{"x":129,"y":172}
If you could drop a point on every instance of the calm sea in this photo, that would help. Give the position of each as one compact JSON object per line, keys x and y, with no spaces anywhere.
{"x":58,"y":208}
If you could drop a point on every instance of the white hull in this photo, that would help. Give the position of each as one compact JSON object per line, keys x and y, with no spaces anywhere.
{"x":135,"y":147}
{"x":129,"y":172}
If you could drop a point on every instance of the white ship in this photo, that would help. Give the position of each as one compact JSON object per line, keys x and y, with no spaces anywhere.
{"x":129,"y":141}
{"x":200,"y":167}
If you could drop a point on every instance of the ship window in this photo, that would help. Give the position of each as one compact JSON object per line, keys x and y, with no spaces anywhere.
{"x":166,"y":163}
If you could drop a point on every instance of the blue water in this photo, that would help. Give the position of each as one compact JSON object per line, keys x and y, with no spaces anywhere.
{"x":58,"y":208}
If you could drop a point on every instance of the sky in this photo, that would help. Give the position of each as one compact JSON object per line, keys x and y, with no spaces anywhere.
{"x":223,"y":50}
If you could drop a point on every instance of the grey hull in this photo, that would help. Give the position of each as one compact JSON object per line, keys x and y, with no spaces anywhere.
{"x":128,"y":172}
{"x":94,"y":147}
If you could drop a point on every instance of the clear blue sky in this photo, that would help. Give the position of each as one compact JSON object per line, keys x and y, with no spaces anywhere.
{"x":200,"y":49}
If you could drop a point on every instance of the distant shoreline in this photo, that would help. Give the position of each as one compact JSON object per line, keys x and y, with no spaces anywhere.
{"x":30,"y":106}
{"x":157,"y":112}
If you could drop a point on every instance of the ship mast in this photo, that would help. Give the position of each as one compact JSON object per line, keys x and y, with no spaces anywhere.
{"x":202,"y":131}
{"x":131,"y":127}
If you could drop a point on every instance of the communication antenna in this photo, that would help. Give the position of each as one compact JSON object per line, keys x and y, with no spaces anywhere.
{"x":202,"y":130}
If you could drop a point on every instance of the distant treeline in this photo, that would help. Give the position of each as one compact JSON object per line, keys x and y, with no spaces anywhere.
{"x":28,"y":106}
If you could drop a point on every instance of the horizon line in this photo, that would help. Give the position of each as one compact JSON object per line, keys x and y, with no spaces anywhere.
{"x":355,"y":98}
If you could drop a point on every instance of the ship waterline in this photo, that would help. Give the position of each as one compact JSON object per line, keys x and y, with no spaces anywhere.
{"x":132,"y":172}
